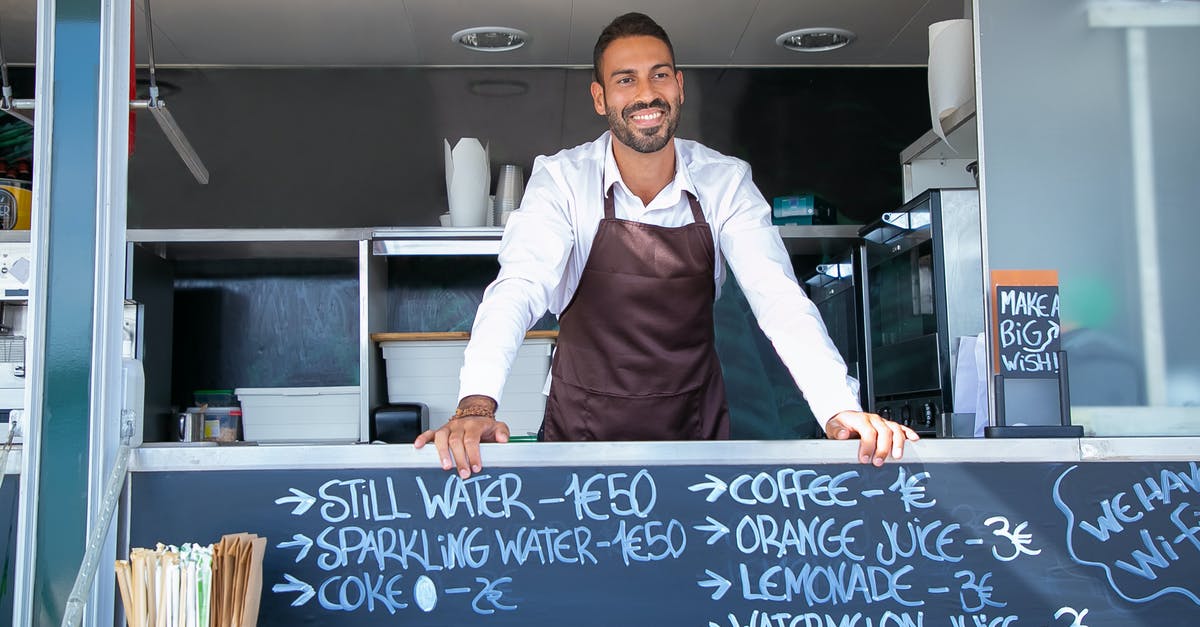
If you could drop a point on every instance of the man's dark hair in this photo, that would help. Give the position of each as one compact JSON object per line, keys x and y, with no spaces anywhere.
{"x":628,"y":25}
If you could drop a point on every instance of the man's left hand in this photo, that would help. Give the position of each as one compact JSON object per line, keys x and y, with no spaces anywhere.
{"x":880,"y":437}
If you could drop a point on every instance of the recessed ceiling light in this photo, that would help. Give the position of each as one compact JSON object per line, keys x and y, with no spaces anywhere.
{"x":815,"y":39}
{"x":490,"y":38}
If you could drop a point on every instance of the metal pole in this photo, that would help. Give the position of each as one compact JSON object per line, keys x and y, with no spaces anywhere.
{"x":96,"y":540}
{"x":1146,"y":217}
{"x":150,"y":52}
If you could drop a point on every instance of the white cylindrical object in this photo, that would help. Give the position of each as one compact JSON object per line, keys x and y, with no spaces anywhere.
{"x":951,"y":70}
{"x":467,"y":182}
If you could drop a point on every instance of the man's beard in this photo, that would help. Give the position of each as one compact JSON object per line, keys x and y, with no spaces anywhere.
{"x":644,"y":140}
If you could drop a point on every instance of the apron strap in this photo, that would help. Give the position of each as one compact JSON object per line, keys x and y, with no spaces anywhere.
{"x":697,"y":214}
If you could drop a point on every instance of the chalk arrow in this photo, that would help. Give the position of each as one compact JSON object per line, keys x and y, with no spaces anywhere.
{"x":295,"y":585}
{"x":302,"y":500}
{"x":714,"y":526}
{"x":304,"y":542}
{"x":715,"y":485}
{"x":715,"y":581}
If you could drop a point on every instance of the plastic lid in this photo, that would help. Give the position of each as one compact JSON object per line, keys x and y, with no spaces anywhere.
{"x":214,"y":410}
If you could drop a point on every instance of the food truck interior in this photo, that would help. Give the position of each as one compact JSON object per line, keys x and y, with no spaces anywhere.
{"x":288,"y":255}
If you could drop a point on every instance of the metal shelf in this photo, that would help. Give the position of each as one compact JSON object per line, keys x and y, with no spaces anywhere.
{"x":800,"y":239}
{"x":961,"y":131}
{"x":1128,"y":14}
{"x":819,"y":239}
{"x":196,"y":244}
{"x":434,"y":240}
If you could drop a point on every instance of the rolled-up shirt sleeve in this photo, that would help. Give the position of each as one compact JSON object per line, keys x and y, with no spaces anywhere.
{"x":534,"y":251}
{"x":756,"y":255}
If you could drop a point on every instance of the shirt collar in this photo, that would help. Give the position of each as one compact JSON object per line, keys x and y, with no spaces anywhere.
{"x":612,"y":174}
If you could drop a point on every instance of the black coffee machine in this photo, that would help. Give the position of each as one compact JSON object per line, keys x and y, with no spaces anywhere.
{"x":835,"y":292}
{"x":923,"y":289}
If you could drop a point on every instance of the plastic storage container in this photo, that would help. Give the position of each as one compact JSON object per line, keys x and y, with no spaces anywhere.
{"x":299,"y":414}
{"x":426,"y":371}
{"x":802,"y":209}
{"x":221,"y":424}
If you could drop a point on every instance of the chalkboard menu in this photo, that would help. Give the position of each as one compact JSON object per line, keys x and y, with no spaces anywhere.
{"x":1026,"y":323}
{"x":964,"y":545}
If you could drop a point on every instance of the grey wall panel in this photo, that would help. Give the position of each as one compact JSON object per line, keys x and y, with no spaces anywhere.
{"x":1177,"y":162}
{"x":1059,"y":169}
{"x":363,"y":147}
{"x":153,"y":287}
{"x":266,"y":323}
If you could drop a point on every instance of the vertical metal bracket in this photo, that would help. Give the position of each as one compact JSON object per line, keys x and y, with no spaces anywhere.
{"x":7,"y":103}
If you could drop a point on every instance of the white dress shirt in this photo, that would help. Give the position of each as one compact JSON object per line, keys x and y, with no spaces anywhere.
{"x":547,"y":241}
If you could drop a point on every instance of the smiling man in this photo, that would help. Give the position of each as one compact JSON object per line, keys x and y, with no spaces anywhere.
{"x":621,"y":239}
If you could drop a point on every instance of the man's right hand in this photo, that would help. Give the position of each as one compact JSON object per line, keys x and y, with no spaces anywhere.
{"x":458,"y":440}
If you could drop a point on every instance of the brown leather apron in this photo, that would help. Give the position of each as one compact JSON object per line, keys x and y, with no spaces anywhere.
{"x":636,"y":358}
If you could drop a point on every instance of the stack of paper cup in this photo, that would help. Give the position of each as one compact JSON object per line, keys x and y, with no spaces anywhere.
{"x":510,"y":187}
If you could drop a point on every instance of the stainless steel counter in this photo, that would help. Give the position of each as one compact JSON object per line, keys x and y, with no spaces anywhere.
{"x":168,"y":457}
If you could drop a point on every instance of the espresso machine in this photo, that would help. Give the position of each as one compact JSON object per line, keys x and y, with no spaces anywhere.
{"x":923,"y":289}
{"x":835,"y":292}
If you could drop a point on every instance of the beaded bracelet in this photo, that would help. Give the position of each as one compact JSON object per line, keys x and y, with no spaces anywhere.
{"x":473,"y":410}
